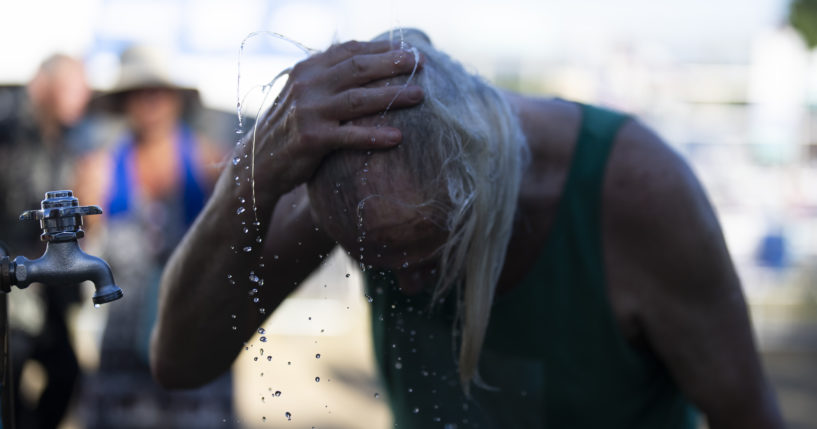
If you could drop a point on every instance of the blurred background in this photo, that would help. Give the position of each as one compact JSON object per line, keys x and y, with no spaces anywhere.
{"x":731,"y":85}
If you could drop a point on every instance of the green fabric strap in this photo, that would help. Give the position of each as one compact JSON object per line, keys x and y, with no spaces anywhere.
{"x":553,"y":355}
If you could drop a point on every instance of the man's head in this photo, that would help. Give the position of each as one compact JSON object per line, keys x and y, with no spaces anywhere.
{"x":60,"y":90}
{"x":147,"y":93}
{"x":447,"y":194}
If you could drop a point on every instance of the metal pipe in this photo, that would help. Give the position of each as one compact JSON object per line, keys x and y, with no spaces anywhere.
{"x":62,"y":263}
{"x":6,"y":381}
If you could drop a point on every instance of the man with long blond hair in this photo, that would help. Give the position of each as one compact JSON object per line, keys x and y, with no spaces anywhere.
{"x":532,"y":262}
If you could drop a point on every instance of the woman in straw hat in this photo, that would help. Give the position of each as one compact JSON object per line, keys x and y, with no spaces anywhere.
{"x":151,"y":184}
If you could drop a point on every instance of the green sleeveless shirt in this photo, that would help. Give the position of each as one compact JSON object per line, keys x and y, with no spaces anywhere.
{"x":553,"y":356}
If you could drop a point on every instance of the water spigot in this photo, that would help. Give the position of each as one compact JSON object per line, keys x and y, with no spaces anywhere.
{"x":63,"y":262}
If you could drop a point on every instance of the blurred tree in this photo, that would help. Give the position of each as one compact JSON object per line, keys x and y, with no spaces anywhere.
{"x":803,"y":17}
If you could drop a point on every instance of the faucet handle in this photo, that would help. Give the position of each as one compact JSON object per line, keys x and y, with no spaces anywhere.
{"x":58,"y":212}
{"x":60,"y":216}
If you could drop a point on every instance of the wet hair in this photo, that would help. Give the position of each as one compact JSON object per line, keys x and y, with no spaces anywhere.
{"x":464,"y":153}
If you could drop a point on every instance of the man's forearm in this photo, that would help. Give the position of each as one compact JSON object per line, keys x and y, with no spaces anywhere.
{"x":200,"y":319}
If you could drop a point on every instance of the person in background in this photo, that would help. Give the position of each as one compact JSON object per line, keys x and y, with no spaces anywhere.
{"x":39,"y":142}
{"x":532,"y":262}
{"x":151,"y":183}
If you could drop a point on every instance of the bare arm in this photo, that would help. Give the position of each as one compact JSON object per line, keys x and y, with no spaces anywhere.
{"x":194,"y":340}
{"x":666,"y":241}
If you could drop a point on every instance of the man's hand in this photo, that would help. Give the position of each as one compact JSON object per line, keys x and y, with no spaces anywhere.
{"x":310,"y":119}
{"x":323,"y":94}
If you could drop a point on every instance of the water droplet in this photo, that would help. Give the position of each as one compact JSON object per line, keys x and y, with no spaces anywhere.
{"x":288,"y":415}
{"x":398,"y":365}
{"x":255,"y":359}
{"x":255,"y":300}
{"x":236,"y":160}
{"x":240,"y":210}
{"x":275,"y":257}
{"x":277,"y":393}
{"x":246,"y":230}
{"x":347,"y":275}
{"x":262,"y":331}
{"x":235,"y":328}
{"x":405,"y":264}
{"x":317,"y":379}
{"x":318,"y":356}
{"x":233,"y":316}
{"x":258,"y":239}
{"x":376,"y":395}
{"x":416,"y":410}
{"x":248,"y":249}
{"x":369,"y":298}
{"x":96,"y":305}
{"x":263,"y":339}
{"x":269,"y":358}
{"x":262,"y":310}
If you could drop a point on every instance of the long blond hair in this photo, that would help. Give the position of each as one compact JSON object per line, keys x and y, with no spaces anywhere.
{"x":465,"y":151}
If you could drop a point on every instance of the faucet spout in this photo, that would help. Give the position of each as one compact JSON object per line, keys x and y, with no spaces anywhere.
{"x":64,"y":262}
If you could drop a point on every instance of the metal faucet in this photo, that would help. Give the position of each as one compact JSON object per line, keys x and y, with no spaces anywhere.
{"x":63,"y":262}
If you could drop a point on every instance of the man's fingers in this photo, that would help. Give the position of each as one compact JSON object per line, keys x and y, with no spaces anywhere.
{"x":351,"y":136}
{"x":338,"y":53}
{"x":360,"y":102}
{"x":360,"y":70}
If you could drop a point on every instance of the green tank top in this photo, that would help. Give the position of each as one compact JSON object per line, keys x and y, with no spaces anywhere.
{"x":553,"y":356}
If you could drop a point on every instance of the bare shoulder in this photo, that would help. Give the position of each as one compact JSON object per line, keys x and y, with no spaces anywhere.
{"x":646,"y":180}
{"x":668,"y":267}
{"x":659,"y":226}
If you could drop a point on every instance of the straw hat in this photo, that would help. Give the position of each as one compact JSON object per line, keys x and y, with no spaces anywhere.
{"x":143,"y":67}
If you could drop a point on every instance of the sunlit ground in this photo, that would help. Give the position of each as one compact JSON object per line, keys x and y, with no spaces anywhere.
{"x":331,"y":321}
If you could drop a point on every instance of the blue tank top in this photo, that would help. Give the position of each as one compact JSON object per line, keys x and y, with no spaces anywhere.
{"x":124,"y":187}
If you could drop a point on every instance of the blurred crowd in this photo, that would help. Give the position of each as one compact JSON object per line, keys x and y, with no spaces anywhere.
{"x":136,"y":151}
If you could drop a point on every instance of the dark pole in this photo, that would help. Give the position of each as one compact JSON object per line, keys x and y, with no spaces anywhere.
{"x":6,"y":382}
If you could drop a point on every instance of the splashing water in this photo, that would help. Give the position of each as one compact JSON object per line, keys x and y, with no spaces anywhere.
{"x":404,"y":46}
{"x":308,"y":51}
{"x":266,"y":90}
{"x":247,"y":161}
